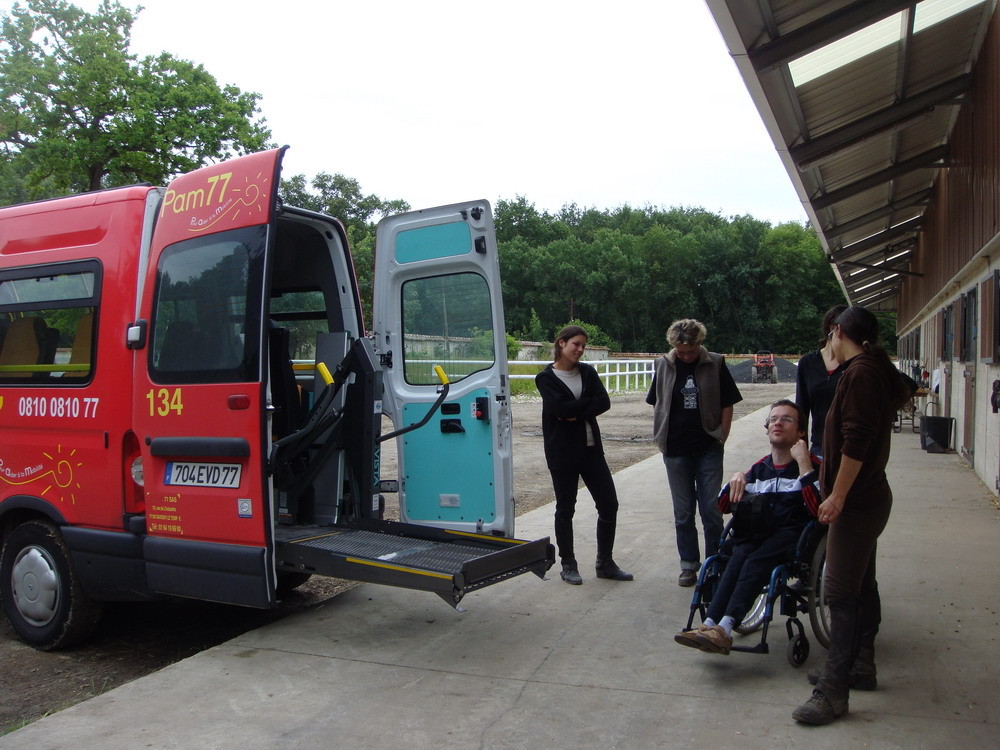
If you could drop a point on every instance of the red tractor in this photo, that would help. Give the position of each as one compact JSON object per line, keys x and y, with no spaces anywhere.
{"x":763,"y":368}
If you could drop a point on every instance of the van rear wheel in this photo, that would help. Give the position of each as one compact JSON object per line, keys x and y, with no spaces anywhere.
{"x":41,"y":593}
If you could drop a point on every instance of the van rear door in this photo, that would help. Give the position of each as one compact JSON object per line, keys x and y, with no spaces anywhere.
{"x":199,"y":402}
{"x":438,"y":302}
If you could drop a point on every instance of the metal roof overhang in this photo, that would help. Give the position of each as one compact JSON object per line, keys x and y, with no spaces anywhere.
{"x":863,"y":134}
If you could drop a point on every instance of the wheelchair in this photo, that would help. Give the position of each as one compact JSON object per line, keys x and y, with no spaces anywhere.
{"x":796,"y":588}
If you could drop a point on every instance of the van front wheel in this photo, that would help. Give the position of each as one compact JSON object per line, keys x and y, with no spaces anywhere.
{"x":41,"y":593}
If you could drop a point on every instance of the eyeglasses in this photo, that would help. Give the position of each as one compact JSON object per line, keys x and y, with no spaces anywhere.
{"x":784,"y":419}
{"x":830,"y":334}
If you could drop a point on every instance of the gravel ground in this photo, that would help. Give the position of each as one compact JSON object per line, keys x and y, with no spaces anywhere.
{"x":137,"y":639}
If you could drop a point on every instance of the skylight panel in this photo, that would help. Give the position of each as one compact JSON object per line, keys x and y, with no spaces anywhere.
{"x":873,"y":38}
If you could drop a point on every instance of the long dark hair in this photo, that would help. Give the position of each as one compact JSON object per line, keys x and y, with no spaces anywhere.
{"x":567,"y":333}
{"x":829,"y":321}
{"x":860,"y":325}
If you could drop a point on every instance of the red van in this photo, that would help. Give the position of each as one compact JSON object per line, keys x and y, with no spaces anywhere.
{"x":190,"y":404}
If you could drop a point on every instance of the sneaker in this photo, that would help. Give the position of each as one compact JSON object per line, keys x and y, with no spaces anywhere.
{"x":855,"y":681}
{"x":714,"y":640}
{"x":818,"y":710}
{"x":690,"y":637}
{"x":687,"y":578}
{"x":570,"y":574}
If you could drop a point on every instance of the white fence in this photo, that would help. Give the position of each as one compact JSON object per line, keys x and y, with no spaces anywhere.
{"x":618,"y":374}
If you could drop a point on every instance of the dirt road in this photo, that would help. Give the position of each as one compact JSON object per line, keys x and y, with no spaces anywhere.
{"x":136,"y":639}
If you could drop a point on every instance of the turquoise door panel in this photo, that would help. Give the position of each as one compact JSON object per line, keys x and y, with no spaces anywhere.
{"x":439,"y":241}
{"x":449,"y":473}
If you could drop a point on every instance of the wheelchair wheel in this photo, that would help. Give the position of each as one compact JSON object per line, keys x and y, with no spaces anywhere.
{"x":819,"y":613}
{"x":755,"y":617}
{"x":797,"y":650}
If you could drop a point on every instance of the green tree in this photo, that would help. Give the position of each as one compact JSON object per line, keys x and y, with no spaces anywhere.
{"x":595,"y":336}
{"x":342,"y":198}
{"x":79,"y":112}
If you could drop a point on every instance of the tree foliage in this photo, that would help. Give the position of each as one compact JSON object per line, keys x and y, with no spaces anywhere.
{"x":343,"y":198}
{"x":631,"y":272}
{"x":79,"y":112}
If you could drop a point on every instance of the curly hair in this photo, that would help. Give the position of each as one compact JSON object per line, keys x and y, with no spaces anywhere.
{"x":686,"y":331}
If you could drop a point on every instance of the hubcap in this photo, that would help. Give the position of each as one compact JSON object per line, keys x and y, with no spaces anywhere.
{"x":36,"y":586}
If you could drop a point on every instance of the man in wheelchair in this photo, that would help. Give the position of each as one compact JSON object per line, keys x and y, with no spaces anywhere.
{"x":771,"y":505}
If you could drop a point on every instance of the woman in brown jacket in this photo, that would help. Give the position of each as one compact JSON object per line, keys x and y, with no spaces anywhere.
{"x":856,"y":441}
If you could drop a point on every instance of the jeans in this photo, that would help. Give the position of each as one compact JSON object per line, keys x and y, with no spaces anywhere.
{"x":695,"y":482}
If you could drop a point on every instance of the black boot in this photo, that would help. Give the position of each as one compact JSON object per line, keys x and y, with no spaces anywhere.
{"x":863,"y":673}
{"x":571,"y":574}
{"x":829,"y":700}
{"x":609,"y":569}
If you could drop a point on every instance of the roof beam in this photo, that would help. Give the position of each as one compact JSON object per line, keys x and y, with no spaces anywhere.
{"x":887,"y":210}
{"x":874,"y":271}
{"x":864,"y":299}
{"x":931,"y":159}
{"x":821,"y":32}
{"x":882,"y":238}
{"x":808,"y":154}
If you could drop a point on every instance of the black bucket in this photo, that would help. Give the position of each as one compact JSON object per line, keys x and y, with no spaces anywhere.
{"x":935,"y":434}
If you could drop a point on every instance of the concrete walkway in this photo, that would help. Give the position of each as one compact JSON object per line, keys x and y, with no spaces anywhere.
{"x":539,"y":664}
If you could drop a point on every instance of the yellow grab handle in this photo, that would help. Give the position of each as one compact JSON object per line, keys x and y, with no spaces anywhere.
{"x":324,"y":372}
{"x":439,"y":371}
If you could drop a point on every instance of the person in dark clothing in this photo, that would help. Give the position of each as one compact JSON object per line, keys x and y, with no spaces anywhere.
{"x":692,"y":394}
{"x":789,"y":476}
{"x":816,"y":381}
{"x":572,"y":397}
{"x":856,"y":442}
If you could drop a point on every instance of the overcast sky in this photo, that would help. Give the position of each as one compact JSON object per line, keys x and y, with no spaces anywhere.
{"x":595,"y":103}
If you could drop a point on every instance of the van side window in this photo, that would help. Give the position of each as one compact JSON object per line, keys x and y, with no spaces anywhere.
{"x":47,"y":324}
{"x":207,"y":309}
{"x":447,"y":321}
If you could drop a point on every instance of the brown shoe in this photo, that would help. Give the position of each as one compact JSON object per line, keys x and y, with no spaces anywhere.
{"x":819,"y":710}
{"x":714,"y":640}
{"x":690,"y":637}
{"x":687,"y":578}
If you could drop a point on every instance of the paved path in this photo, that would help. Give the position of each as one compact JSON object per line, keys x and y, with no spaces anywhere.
{"x":539,"y":664}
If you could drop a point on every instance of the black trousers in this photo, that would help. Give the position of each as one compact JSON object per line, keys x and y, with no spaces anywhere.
{"x":748,"y":571}
{"x":596,"y":475}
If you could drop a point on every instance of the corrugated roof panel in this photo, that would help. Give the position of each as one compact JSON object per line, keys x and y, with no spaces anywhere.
{"x":849,"y":93}
{"x":851,"y":164}
{"x":942,"y":52}
{"x":843,"y":128}
{"x":790,"y":15}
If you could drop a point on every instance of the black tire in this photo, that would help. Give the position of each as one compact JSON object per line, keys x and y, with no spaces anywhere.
{"x":797,"y":650}
{"x":819,"y":613}
{"x":288,"y":582}
{"x":41,"y":593}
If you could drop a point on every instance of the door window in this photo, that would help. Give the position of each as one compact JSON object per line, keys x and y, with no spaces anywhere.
{"x":207,"y":309}
{"x":447,"y":321}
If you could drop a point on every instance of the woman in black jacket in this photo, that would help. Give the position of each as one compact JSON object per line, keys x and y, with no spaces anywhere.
{"x":572,"y":397}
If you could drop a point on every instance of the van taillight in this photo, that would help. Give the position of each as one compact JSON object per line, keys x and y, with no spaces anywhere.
{"x":135,"y":497}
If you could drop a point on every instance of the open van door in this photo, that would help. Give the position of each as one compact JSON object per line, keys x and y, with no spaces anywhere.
{"x":199,"y":402}
{"x":438,"y":303}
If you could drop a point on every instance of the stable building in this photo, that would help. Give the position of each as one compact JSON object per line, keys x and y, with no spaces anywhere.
{"x":886,"y":115}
